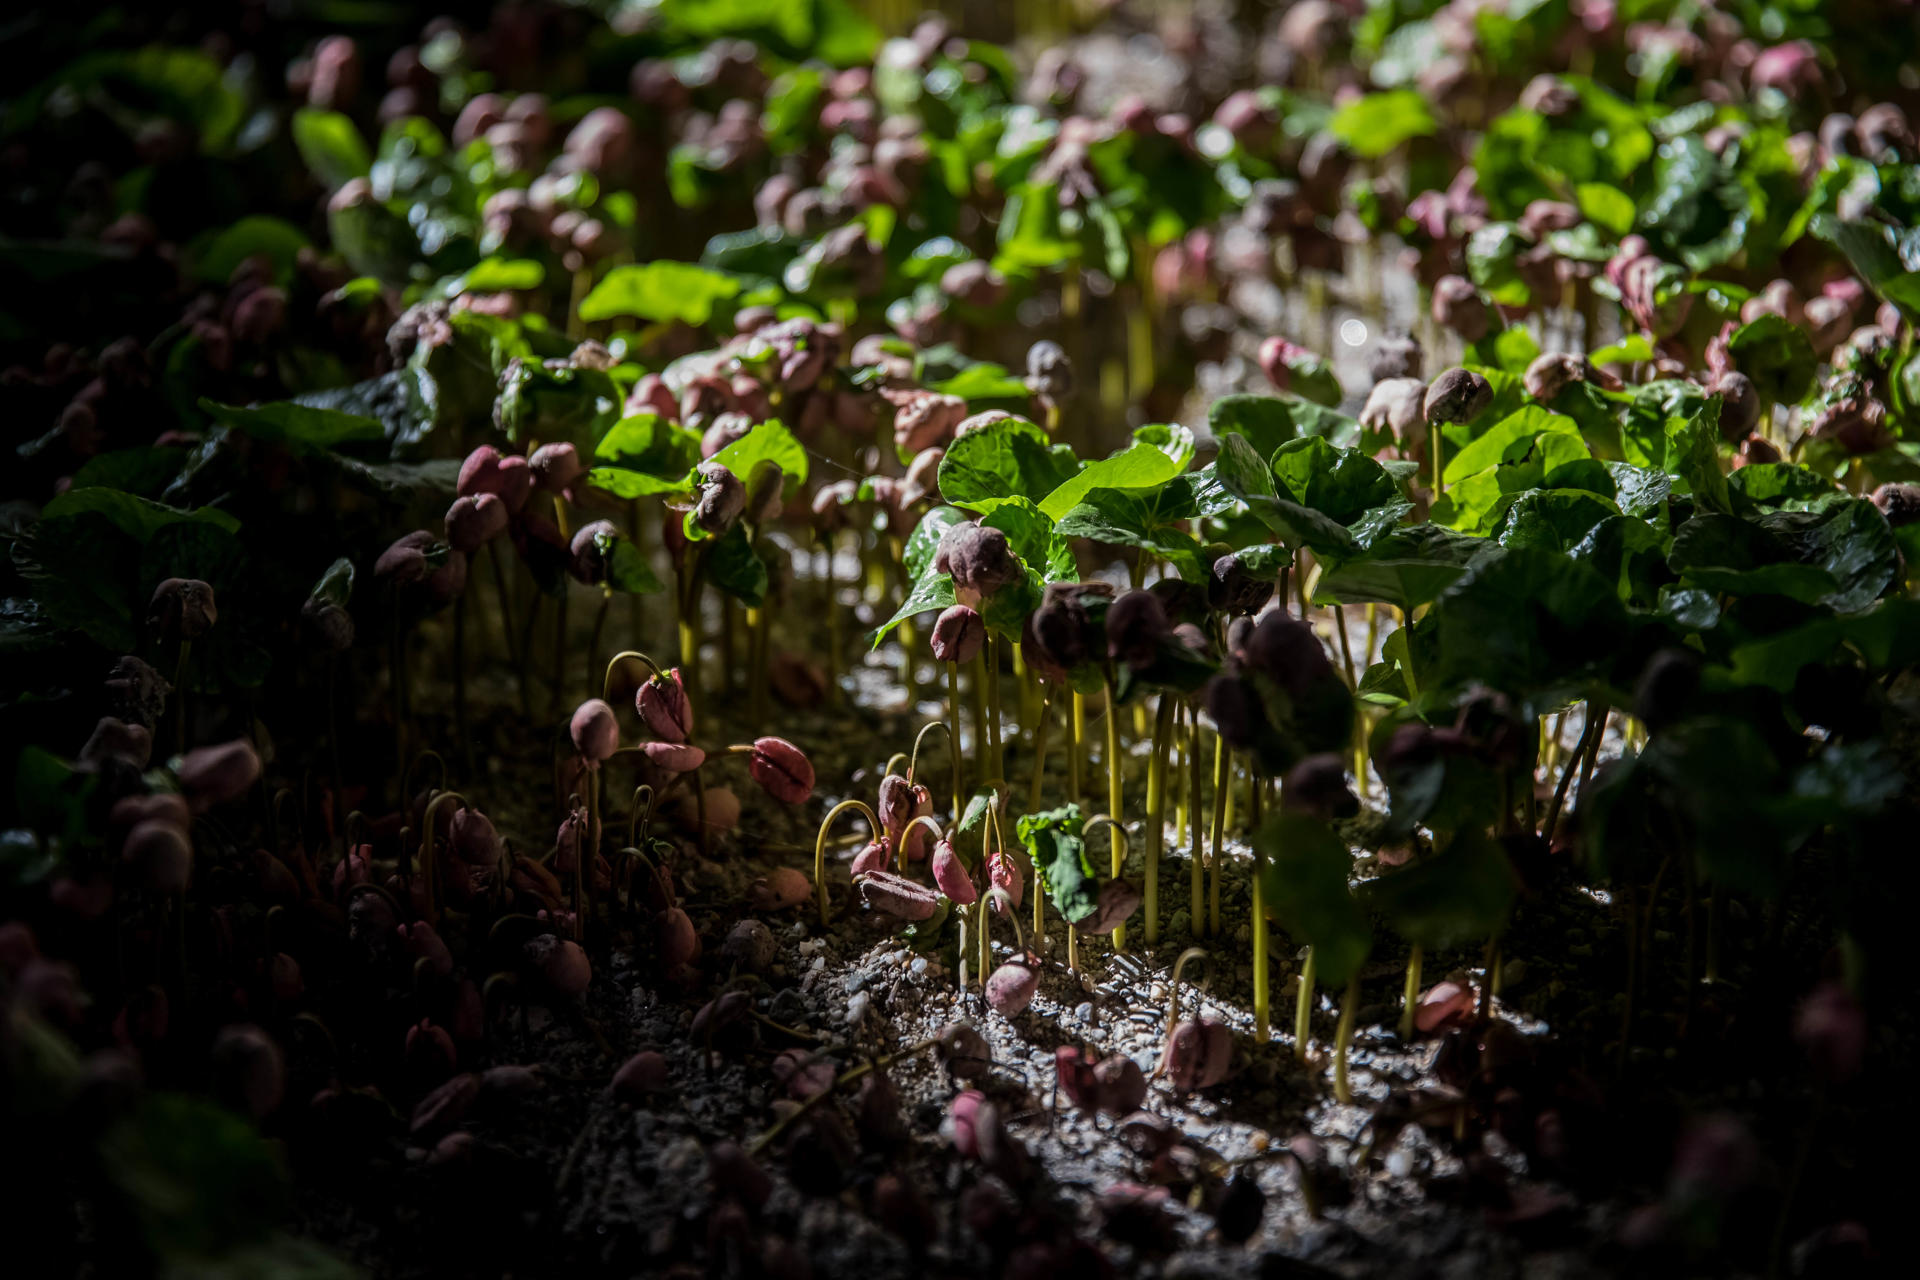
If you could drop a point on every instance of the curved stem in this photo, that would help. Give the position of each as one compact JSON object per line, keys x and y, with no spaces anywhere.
{"x":1342,"y":1038}
{"x":638,"y":818}
{"x":581,"y":875}
{"x":426,"y":845}
{"x":1173,"y":987}
{"x":820,"y":847}
{"x":1004,"y":900}
{"x":913,"y":761}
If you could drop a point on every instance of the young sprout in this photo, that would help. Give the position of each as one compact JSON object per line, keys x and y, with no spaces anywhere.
{"x":820,"y":847}
{"x":1198,"y":1053}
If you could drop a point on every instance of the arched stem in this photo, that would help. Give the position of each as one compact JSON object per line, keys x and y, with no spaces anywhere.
{"x":613,"y":665}
{"x":1173,"y":988}
{"x":639,"y":818}
{"x":820,"y":847}
{"x":913,"y":761}
{"x":426,"y":844}
{"x":440,"y":774}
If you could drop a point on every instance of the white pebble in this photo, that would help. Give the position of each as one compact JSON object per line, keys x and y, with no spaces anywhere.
{"x":857,"y":1009}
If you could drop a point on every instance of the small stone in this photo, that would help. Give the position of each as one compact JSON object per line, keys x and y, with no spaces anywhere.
{"x":919,"y":967}
{"x":1399,"y":1163}
{"x":1084,"y":1011}
{"x":857,"y":1009}
{"x":854,"y":981}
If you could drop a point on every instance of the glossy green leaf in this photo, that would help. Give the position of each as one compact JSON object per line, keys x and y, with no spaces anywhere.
{"x":1839,"y":553}
{"x":731,"y":564}
{"x":1010,"y":458}
{"x":770,"y":441}
{"x":1524,"y":620}
{"x":1141,"y":466}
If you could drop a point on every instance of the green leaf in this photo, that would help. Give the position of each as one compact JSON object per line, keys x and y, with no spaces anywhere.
{"x":657,"y":450}
{"x":275,"y":239}
{"x":731,"y":564}
{"x":1776,"y":484}
{"x":1342,"y":484}
{"x":145,"y":471}
{"x":628,"y":570}
{"x":1035,"y":539}
{"x":138,"y":518}
{"x":336,"y":584}
{"x":921,"y":544}
{"x":770,"y":441}
{"x":331,"y":146}
{"x":1462,"y":895}
{"x":1375,"y":124}
{"x":54,"y":799}
{"x":983,"y":381}
{"x":301,"y":427}
{"x":1119,"y":518}
{"x":659,"y":292}
{"x":1886,"y":258}
{"x":1406,"y":568}
{"x":1508,"y":440}
{"x":1605,"y":205}
{"x":1887,"y":636}
{"x":1010,"y":458}
{"x":1304,"y":869}
{"x":1839,"y":553}
{"x":1525,"y":620}
{"x":498,"y":275}
{"x":1141,"y":466}
{"x":1059,"y":854}
{"x":1777,"y":355}
{"x":1269,"y":421}
{"x":198,"y":1179}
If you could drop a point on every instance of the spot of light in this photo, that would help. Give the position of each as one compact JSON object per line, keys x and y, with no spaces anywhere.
{"x":1353,"y":332}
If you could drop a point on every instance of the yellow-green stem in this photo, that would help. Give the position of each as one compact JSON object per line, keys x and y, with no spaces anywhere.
{"x":1411,"y":996}
{"x":1262,"y":979}
{"x":1342,"y":1038}
{"x":1222,"y":774}
{"x":1157,"y":790}
{"x":820,"y":848}
{"x":1197,"y":880}
{"x":1078,"y":752}
{"x":953,"y":731}
{"x":1303,"y":1009}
